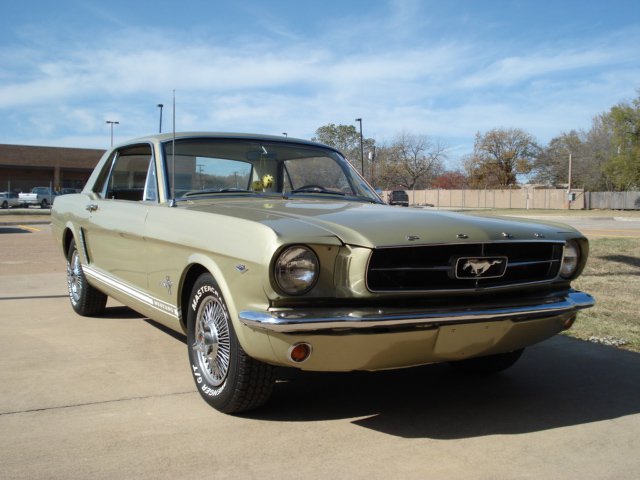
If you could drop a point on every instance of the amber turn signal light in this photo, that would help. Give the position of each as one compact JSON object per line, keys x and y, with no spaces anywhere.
{"x":299,"y":352}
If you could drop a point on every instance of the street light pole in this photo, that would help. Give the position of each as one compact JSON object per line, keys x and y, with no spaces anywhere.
{"x":359,"y":120}
{"x":112,"y":123}
{"x":570,"y":168}
{"x":160,"y":105}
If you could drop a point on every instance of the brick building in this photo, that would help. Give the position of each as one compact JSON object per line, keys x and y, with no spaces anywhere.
{"x":24,"y":167}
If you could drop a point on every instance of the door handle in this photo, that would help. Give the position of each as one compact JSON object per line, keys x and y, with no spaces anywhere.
{"x":92,"y":207}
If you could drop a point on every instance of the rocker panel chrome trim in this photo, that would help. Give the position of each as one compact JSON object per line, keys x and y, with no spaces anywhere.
{"x":132,"y":292}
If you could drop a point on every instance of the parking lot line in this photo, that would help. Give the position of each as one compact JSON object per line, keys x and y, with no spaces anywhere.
{"x":33,"y":229}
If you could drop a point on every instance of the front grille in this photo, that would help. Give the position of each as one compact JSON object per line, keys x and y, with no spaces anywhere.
{"x":425,"y":268}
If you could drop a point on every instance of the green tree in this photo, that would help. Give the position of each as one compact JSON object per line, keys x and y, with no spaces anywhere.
{"x":499,"y":156}
{"x":346,"y":139}
{"x":624,"y":166}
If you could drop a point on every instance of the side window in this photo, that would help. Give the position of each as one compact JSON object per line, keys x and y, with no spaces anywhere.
{"x":101,"y":183}
{"x":132,"y":176}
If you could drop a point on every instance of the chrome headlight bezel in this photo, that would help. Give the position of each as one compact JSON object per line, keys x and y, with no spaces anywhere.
{"x":570,"y":259}
{"x":296,"y":270}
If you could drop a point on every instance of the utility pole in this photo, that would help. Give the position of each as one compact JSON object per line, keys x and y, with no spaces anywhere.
{"x":569,"y":183}
{"x":359,"y":120}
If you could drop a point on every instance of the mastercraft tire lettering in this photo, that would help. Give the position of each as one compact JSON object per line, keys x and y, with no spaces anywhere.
{"x":226,"y":377}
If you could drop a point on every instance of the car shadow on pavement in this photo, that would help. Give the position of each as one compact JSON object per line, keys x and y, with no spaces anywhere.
{"x":13,"y":230}
{"x":126,"y":313}
{"x":558,"y":383}
{"x":121,"y":313}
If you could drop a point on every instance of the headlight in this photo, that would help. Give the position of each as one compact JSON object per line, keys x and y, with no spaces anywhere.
{"x":296,"y":270}
{"x":570,"y":259}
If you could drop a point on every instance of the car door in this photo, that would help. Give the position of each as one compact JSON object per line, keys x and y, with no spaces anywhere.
{"x":114,"y":231}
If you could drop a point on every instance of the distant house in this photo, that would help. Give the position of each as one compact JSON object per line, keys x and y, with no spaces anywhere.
{"x":23,"y":167}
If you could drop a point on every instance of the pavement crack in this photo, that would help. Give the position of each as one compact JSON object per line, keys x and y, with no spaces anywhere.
{"x":31,"y":297}
{"x":75,"y":405}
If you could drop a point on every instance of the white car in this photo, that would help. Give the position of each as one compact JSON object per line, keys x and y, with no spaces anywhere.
{"x":9,"y":199}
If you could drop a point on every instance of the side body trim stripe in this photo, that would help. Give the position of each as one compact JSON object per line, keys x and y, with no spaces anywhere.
{"x":132,"y":292}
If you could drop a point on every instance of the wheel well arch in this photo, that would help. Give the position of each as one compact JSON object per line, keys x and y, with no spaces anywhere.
{"x":189,"y":278}
{"x":67,"y":236}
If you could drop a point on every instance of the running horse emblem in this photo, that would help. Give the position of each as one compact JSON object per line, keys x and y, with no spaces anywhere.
{"x":478,"y":267}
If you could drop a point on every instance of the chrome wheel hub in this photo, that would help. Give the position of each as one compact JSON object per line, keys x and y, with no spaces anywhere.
{"x":74,"y":277}
{"x":212,"y":342}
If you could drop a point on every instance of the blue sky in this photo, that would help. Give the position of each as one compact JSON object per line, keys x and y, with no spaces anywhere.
{"x":446,"y":69}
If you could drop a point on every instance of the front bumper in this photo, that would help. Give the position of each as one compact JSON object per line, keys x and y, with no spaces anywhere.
{"x":326,"y":320}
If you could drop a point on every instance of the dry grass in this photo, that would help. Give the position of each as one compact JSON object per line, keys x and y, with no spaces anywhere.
{"x":612,"y":275}
{"x":633,"y":214}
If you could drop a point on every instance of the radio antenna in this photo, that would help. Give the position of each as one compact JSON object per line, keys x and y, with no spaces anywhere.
{"x":173,"y":155}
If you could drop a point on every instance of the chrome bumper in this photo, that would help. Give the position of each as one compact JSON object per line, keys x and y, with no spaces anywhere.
{"x":319,"y":320}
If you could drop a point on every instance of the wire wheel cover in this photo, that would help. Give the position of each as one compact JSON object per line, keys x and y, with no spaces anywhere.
{"x":212,"y":340}
{"x":74,"y":277}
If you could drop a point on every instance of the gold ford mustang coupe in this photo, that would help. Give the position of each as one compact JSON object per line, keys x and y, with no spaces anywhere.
{"x":271,"y":251}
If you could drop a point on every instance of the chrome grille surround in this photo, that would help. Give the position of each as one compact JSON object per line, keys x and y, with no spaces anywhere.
{"x":432,"y":268}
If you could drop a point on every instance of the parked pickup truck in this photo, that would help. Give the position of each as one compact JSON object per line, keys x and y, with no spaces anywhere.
{"x":42,"y":196}
{"x":399,"y":197}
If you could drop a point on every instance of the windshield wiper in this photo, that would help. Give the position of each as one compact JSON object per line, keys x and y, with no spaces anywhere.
{"x":216,"y":190}
{"x":317,"y":189}
{"x":367,"y":199}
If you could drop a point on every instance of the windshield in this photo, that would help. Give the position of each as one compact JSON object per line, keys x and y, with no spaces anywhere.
{"x":221,"y":166}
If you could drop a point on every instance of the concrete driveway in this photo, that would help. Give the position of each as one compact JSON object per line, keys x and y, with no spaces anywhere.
{"x":112,"y":397}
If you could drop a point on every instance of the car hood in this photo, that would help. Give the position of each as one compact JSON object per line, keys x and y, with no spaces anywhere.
{"x":372,"y":225}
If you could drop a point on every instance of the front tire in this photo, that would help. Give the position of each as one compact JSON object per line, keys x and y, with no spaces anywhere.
{"x":85,"y":299}
{"x":227,"y":378}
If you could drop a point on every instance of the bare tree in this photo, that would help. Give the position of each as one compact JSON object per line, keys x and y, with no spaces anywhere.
{"x":588,"y":153}
{"x":412,"y":161}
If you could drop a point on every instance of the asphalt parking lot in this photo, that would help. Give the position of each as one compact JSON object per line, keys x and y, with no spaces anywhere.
{"x":112,"y":397}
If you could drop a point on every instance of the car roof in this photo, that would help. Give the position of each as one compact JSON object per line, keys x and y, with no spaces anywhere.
{"x":163,"y":137}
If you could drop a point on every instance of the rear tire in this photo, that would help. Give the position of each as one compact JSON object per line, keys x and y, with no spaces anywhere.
{"x":490,"y":363}
{"x":85,"y":299}
{"x":45,"y":203}
{"x":227,"y":378}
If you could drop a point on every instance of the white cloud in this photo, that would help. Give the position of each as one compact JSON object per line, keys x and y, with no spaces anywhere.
{"x":427,"y":86}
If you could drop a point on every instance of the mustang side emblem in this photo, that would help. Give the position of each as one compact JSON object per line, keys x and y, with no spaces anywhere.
{"x":481,"y":267}
{"x":167,"y":283}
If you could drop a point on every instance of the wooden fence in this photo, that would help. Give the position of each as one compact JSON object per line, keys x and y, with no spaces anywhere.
{"x":613,"y":200}
{"x":521,"y":198}
{"x":524,"y":198}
